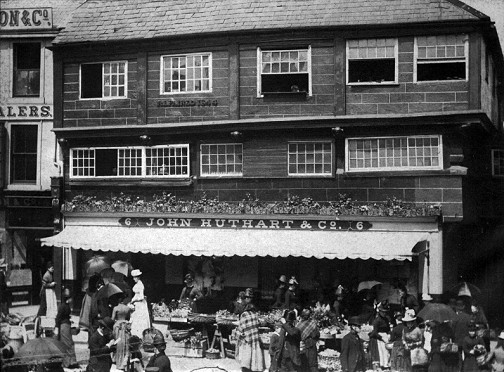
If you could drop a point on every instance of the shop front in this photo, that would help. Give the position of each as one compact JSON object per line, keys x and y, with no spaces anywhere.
{"x":231,"y":252}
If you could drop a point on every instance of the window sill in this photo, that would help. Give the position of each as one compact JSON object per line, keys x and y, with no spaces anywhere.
{"x":402,"y":173}
{"x":373,"y":84}
{"x":287,"y":94}
{"x":182,"y":182}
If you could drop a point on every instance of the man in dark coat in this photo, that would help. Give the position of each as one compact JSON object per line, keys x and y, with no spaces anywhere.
{"x":352,"y":354}
{"x":159,"y":359}
{"x":101,"y":344}
{"x":309,"y":337}
{"x":290,"y":337}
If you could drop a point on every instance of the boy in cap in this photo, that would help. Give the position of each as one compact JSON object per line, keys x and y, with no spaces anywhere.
{"x":274,"y":347}
{"x":352,"y":354}
{"x":159,"y":359}
{"x":101,"y":344}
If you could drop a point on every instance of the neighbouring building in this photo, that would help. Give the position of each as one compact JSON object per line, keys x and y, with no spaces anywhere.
{"x":336,"y":141}
{"x":28,"y":146}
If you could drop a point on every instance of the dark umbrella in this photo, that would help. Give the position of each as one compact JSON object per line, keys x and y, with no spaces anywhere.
{"x":438,"y":312}
{"x":108,"y":290}
{"x":40,"y":350}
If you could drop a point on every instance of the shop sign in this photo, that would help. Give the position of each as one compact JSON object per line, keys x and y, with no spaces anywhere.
{"x":26,"y":19}
{"x":243,"y":223}
{"x":23,"y":112}
{"x":188,"y":103}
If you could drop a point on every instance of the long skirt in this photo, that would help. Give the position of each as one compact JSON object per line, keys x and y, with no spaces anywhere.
{"x":397,"y":358}
{"x":139,"y":319}
{"x":51,"y":302}
{"x":250,"y":355}
{"x":65,"y":336}
{"x":121,"y":333}
{"x":84,"y":321}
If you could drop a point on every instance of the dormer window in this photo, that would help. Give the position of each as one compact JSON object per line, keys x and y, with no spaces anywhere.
{"x":284,"y":71}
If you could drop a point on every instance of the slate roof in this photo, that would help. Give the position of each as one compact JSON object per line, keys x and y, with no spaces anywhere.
{"x":61,"y":9}
{"x":122,"y":20}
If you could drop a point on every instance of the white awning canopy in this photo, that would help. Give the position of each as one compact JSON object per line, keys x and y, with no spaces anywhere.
{"x":378,"y":245}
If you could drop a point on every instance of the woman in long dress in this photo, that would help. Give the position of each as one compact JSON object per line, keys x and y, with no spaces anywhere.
{"x":48,"y":304}
{"x":140,"y":319}
{"x":122,"y":332}
{"x":85,"y":313}
{"x":249,"y":352}
{"x":64,"y":330}
{"x":412,"y":339}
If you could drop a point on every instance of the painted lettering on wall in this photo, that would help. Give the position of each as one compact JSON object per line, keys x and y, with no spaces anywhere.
{"x":22,"y":19}
{"x":23,"y":112}
{"x":244,"y":223}
{"x":188,"y":103}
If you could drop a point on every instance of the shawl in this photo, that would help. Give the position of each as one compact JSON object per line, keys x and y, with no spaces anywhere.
{"x":306,"y":327}
{"x":249,"y":327}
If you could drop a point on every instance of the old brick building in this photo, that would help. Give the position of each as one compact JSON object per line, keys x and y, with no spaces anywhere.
{"x":256,"y":111}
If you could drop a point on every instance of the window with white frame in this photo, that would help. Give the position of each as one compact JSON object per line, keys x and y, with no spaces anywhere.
{"x":223,"y":159}
{"x":284,"y":71}
{"x":372,"y":61}
{"x":394,"y":153}
{"x":191,"y":73}
{"x":441,"y":57}
{"x":155,"y":161}
{"x":497,"y":163}
{"x":24,"y":154}
{"x":310,"y":159}
{"x":106,"y":80}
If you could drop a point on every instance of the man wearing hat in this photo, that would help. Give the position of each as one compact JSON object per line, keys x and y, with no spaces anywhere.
{"x":159,"y":359}
{"x":190,"y":294}
{"x":291,"y":296}
{"x":4,"y":300}
{"x":280,"y":292}
{"x":101,"y":344}
{"x":352,"y":354}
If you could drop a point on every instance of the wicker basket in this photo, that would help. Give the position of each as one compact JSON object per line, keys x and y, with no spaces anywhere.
{"x":212,"y":354}
{"x":180,"y":334}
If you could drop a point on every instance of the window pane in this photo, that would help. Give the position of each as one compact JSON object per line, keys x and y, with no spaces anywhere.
{"x":26,"y":71}
{"x":309,"y":158}
{"x":24,"y":141}
{"x":223,"y":159}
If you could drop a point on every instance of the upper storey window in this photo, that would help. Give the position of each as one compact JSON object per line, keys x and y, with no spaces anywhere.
{"x":26,"y":70}
{"x":372,"y":61}
{"x":393,"y":153}
{"x":171,"y":161}
{"x":106,"y":80}
{"x":24,"y":154}
{"x":443,"y":57}
{"x":498,"y":163}
{"x":284,"y":71}
{"x":191,"y":73}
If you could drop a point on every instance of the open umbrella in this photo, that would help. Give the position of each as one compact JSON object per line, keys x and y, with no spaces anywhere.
{"x":40,"y":350}
{"x":368,"y":284}
{"x":108,"y":290}
{"x":96,"y":264}
{"x":438,"y":312}
{"x":465,"y":289}
{"x":122,"y":267}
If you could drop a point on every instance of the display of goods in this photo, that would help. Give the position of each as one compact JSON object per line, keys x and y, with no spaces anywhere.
{"x":185,"y":305}
{"x":180,"y":313}
{"x":160,"y":310}
{"x":329,"y":360}
{"x":225,"y":317}
{"x":180,"y":334}
{"x":271,"y":317}
{"x":265,"y":338}
{"x":328,"y":332}
{"x":201,"y":318}
{"x":212,"y":353}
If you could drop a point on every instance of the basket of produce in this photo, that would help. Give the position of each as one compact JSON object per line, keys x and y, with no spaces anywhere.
{"x":329,"y":360}
{"x":212,"y":354}
{"x":180,"y":334}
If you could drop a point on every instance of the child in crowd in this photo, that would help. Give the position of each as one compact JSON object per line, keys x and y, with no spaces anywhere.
{"x":274,"y":347}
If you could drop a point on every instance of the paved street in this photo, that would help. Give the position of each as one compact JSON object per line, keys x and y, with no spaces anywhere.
{"x":179,"y":363}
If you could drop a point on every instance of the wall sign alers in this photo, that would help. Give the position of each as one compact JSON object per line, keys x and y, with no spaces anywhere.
{"x":243,"y":223}
{"x":26,"y":18}
{"x":188,"y":103}
{"x":23,"y":112}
